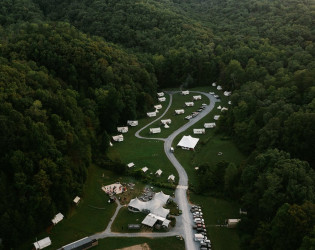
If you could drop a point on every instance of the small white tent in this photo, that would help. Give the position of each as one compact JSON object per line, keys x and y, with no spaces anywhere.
{"x":122,"y":129}
{"x":158,"y":106}
{"x":132,"y":123}
{"x":155,"y":130}
{"x":42,"y":243}
{"x":189,"y":104}
{"x":58,"y":217}
{"x":179,"y":111}
{"x":162,"y":99}
{"x":151,"y":114}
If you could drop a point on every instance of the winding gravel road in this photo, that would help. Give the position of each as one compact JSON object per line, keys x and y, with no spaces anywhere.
{"x":185,"y":221}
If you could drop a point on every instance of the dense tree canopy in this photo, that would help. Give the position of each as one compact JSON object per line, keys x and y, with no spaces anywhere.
{"x":70,"y":71}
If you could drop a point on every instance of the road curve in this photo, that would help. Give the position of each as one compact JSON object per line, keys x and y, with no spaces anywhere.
{"x":181,"y":190}
{"x":185,"y":221}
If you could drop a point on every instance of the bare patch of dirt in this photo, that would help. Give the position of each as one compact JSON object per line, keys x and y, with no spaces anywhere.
{"x":143,"y":246}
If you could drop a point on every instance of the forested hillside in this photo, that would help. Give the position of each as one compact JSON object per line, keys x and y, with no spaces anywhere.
{"x":72,"y":70}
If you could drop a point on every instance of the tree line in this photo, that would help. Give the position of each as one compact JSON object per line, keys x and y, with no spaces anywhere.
{"x":72,"y":70}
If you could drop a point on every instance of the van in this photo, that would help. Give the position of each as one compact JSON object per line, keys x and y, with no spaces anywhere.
{"x":172,"y":150}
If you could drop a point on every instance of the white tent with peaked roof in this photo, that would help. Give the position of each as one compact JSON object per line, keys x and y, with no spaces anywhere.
{"x":188,"y":142}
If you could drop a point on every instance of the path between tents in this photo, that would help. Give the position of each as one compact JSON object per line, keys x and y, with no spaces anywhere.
{"x":185,"y":221}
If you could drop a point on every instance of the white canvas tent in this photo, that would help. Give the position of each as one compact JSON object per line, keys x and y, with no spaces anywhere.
{"x":159,"y":172}
{"x":171,"y":178}
{"x":132,"y":123}
{"x":130,"y":165}
{"x":188,"y":142}
{"x":122,"y":129}
{"x":227,"y":93}
{"x":216,"y":117}
{"x":186,"y":92}
{"x":42,"y":243}
{"x":189,"y":104}
{"x":145,"y":169}
{"x":219,"y":87}
{"x":210,"y":125}
{"x":76,"y":200}
{"x":224,"y":109}
{"x":179,"y":111}
{"x":219,"y":107}
{"x":118,"y":138}
{"x":214,"y":84}
{"x":155,"y":206}
{"x":162,"y":99}
{"x":229,"y":102}
{"x":166,"y":126}
{"x":160,"y":94}
{"x":158,"y":106}
{"x":196,"y":97}
{"x":199,"y":131}
{"x":155,"y":130}
{"x":58,"y":217}
{"x":151,"y":114}
{"x":166,"y":121}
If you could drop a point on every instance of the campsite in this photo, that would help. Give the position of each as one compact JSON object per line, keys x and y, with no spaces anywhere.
{"x":149,"y":155}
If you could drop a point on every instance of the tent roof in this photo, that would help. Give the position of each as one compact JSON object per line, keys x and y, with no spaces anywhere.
{"x":166,"y":222}
{"x":42,"y":243}
{"x":149,"y":220}
{"x":188,"y":142}
{"x":159,"y":172}
{"x":155,"y":205}
{"x":131,"y":164}
{"x":145,"y":169}
{"x":76,"y":199}
{"x":171,"y":177}
{"x":58,"y":217}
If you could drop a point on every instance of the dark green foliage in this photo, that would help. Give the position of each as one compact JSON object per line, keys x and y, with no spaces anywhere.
{"x":63,"y":92}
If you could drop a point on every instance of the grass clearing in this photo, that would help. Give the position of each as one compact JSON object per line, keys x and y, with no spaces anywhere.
{"x":91,"y":215}
{"x":149,"y":153}
{"x":125,"y":217}
{"x":154,"y":244}
{"x":216,"y":211}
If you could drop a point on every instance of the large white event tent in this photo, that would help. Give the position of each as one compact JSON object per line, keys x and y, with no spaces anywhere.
{"x":188,"y":142}
{"x":155,"y":206}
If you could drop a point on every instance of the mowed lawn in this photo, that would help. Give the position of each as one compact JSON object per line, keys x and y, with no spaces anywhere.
{"x":215,"y":212}
{"x":177,"y":120}
{"x":209,"y":145}
{"x":125,"y":217}
{"x":143,"y":153}
{"x":154,"y":243}
{"x":91,"y":215}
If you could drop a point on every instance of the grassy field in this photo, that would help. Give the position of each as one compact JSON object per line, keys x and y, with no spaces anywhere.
{"x":177,"y":120}
{"x":90,"y":216}
{"x":215,"y":211}
{"x":149,"y":153}
{"x":209,"y":145}
{"x":154,"y":244}
{"x":126,"y":217}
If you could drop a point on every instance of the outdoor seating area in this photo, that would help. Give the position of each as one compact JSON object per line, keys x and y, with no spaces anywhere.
{"x":115,"y":188}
